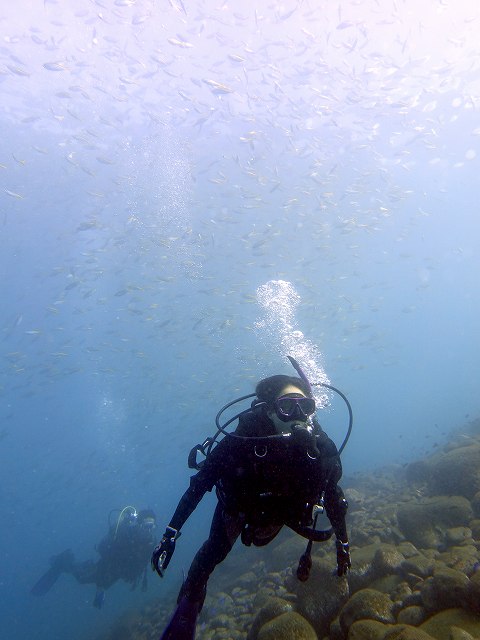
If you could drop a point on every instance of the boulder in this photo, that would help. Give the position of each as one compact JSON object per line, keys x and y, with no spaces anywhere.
{"x":463,"y":558}
{"x":273,"y":608}
{"x":321,"y":597}
{"x":473,"y":593}
{"x":286,"y":627}
{"x":386,"y":561}
{"x":367,"y":630}
{"x":441,"y":624}
{"x":446,"y":589}
{"x":460,"y":634}
{"x":413,"y":615}
{"x":406,"y":632}
{"x":366,"y":604}
{"x":456,"y":472}
{"x":362,"y":571}
{"x":425,"y":523}
{"x":476,"y":504}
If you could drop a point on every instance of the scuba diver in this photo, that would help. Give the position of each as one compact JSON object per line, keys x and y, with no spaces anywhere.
{"x":277,"y":468}
{"x":124,"y":554}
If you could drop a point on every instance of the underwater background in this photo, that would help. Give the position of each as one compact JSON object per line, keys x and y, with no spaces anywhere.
{"x":191,"y":191}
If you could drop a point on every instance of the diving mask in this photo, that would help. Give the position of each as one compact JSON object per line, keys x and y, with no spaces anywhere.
{"x":290,"y":407}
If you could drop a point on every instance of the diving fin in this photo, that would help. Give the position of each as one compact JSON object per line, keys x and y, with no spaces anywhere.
{"x":183,"y":622}
{"x":59,"y":564}
{"x":46,"y":582}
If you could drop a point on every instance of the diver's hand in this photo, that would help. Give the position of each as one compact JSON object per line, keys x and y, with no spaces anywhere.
{"x":163,"y":552}
{"x":343,"y":558}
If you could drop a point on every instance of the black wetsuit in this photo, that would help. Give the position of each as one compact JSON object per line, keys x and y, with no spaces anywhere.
{"x":261,"y":486}
{"x":124,"y":555}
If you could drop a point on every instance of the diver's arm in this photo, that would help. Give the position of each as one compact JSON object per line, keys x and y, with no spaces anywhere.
{"x":202,"y":482}
{"x":190,"y":500}
{"x":336,"y":507}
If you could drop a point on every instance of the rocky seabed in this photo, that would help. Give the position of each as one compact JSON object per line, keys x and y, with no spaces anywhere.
{"x":415,"y":538}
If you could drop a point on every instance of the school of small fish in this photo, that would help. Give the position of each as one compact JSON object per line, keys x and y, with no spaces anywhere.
{"x":164,"y":159}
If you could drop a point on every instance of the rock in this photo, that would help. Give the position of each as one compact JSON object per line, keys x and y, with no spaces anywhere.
{"x":321,"y":597}
{"x":441,"y":624}
{"x":355,"y":498}
{"x":387,"y":560}
{"x":335,"y":632}
{"x":415,"y":599}
{"x":367,"y":630}
{"x":476,"y":504}
{"x":413,"y":615}
{"x":366,"y":604}
{"x":407,"y":549}
{"x":424,"y":523}
{"x":406,"y":632}
{"x":475,"y":527}
{"x":288,"y":626}
{"x":417,"y":472}
{"x":361,"y":573}
{"x":460,"y":634}
{"x":473,"y":593}
{"x":247,"y":579}
{"x":457,"y":535}
{"x":262,"y":598}
{"x":446,"y":589}
{"x":462,"y":558}
{"x":456,"y":472}
{"x":387,"y":584}
{"x":416,"y":568}
{"x":273,"y":608}
{"x":401,"y":592}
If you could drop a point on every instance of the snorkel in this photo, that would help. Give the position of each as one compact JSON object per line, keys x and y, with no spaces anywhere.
{"x":298,"y":369}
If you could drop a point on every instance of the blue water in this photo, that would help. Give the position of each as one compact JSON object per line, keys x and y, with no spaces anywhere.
{"x":142,"y":205}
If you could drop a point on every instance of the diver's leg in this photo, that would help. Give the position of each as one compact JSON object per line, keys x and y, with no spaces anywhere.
{"x":224,"y":531}
{"x":85,"y":572}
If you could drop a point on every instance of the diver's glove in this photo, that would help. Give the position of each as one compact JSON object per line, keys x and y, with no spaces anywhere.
{"x":163,"y":552}
{"x":343,"y":558}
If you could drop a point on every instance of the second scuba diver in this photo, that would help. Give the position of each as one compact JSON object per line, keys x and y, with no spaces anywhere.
{"x":278,"y":468}
{"x":124,"y":553}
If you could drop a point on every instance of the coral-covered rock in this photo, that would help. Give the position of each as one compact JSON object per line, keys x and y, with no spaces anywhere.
{"x":321,"y":597}
{"x":446,"y":589}
{"x":462,"y":558}
{"x":441,"y":624}
{"x":473,"y":593}
{"x":476,"y":504}
{"x":456,"y":472}
{"x":288,"y":626}
{"x":387,"y":560}
{"x":362,"y":572}
{"x":387,"y":584}
{"x":407,"y":632}
{"x":460,"y":634}
{"x":417,"y":568}
{"x":367,"y":630}
{"x":367,"y":604}
{"x":418,"y":472}
{"x":425,"y":523}
{"x":413,"y":615}
{"x":273,"y":608}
